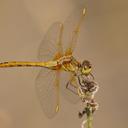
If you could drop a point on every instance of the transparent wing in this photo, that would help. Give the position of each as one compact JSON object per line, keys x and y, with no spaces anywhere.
{"x":69,"y":94}
{"x":51,"y":44}
{"x":71,"y":33}
{"x":47,"y":88}
{"x":72,"y":27}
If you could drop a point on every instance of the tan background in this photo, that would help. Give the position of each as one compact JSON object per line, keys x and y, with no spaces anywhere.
{"x":104,"y":42}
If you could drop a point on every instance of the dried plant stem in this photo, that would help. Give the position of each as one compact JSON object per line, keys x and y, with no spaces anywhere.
{"x":89,"y":121}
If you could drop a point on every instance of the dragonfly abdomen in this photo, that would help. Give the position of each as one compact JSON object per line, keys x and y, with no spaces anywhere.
{"x":28,"y":64}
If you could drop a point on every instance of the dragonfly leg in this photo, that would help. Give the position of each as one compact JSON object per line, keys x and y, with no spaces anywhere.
{"x":73,"y":84}
{"x":73,"y":91}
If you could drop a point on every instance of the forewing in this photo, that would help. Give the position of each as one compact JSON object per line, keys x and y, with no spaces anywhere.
{"x":51,"y":43}
{"x":72,"y":27}
{"x":47,"y":88}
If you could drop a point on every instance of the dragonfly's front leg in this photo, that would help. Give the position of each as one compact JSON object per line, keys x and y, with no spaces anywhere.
{"x":73,"y":84}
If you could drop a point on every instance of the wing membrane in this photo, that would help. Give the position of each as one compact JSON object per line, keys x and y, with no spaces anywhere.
{"x":72,"y":28}
{"x":47,"y":88}
{"x":47,"y":82}
{"x":69,"y":95}
{"x":71,"y":33}
{"x":51,"y":44}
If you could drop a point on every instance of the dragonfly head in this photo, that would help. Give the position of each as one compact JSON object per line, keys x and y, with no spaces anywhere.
{"x":86,"y":67}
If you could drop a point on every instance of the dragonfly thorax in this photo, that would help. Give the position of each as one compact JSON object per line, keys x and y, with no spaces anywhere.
{"x":69,"y":63}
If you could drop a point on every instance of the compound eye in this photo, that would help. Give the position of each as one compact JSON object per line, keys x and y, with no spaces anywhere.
{"x":90,"y":66}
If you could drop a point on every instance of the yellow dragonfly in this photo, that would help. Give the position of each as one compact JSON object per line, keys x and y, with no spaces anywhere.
{"x":55,"y":58}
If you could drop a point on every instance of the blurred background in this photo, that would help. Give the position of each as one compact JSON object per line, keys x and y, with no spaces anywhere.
{"x":103,"y":41}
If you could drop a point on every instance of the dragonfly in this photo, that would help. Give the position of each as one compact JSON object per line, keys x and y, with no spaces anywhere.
{"x":60,"y":71}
